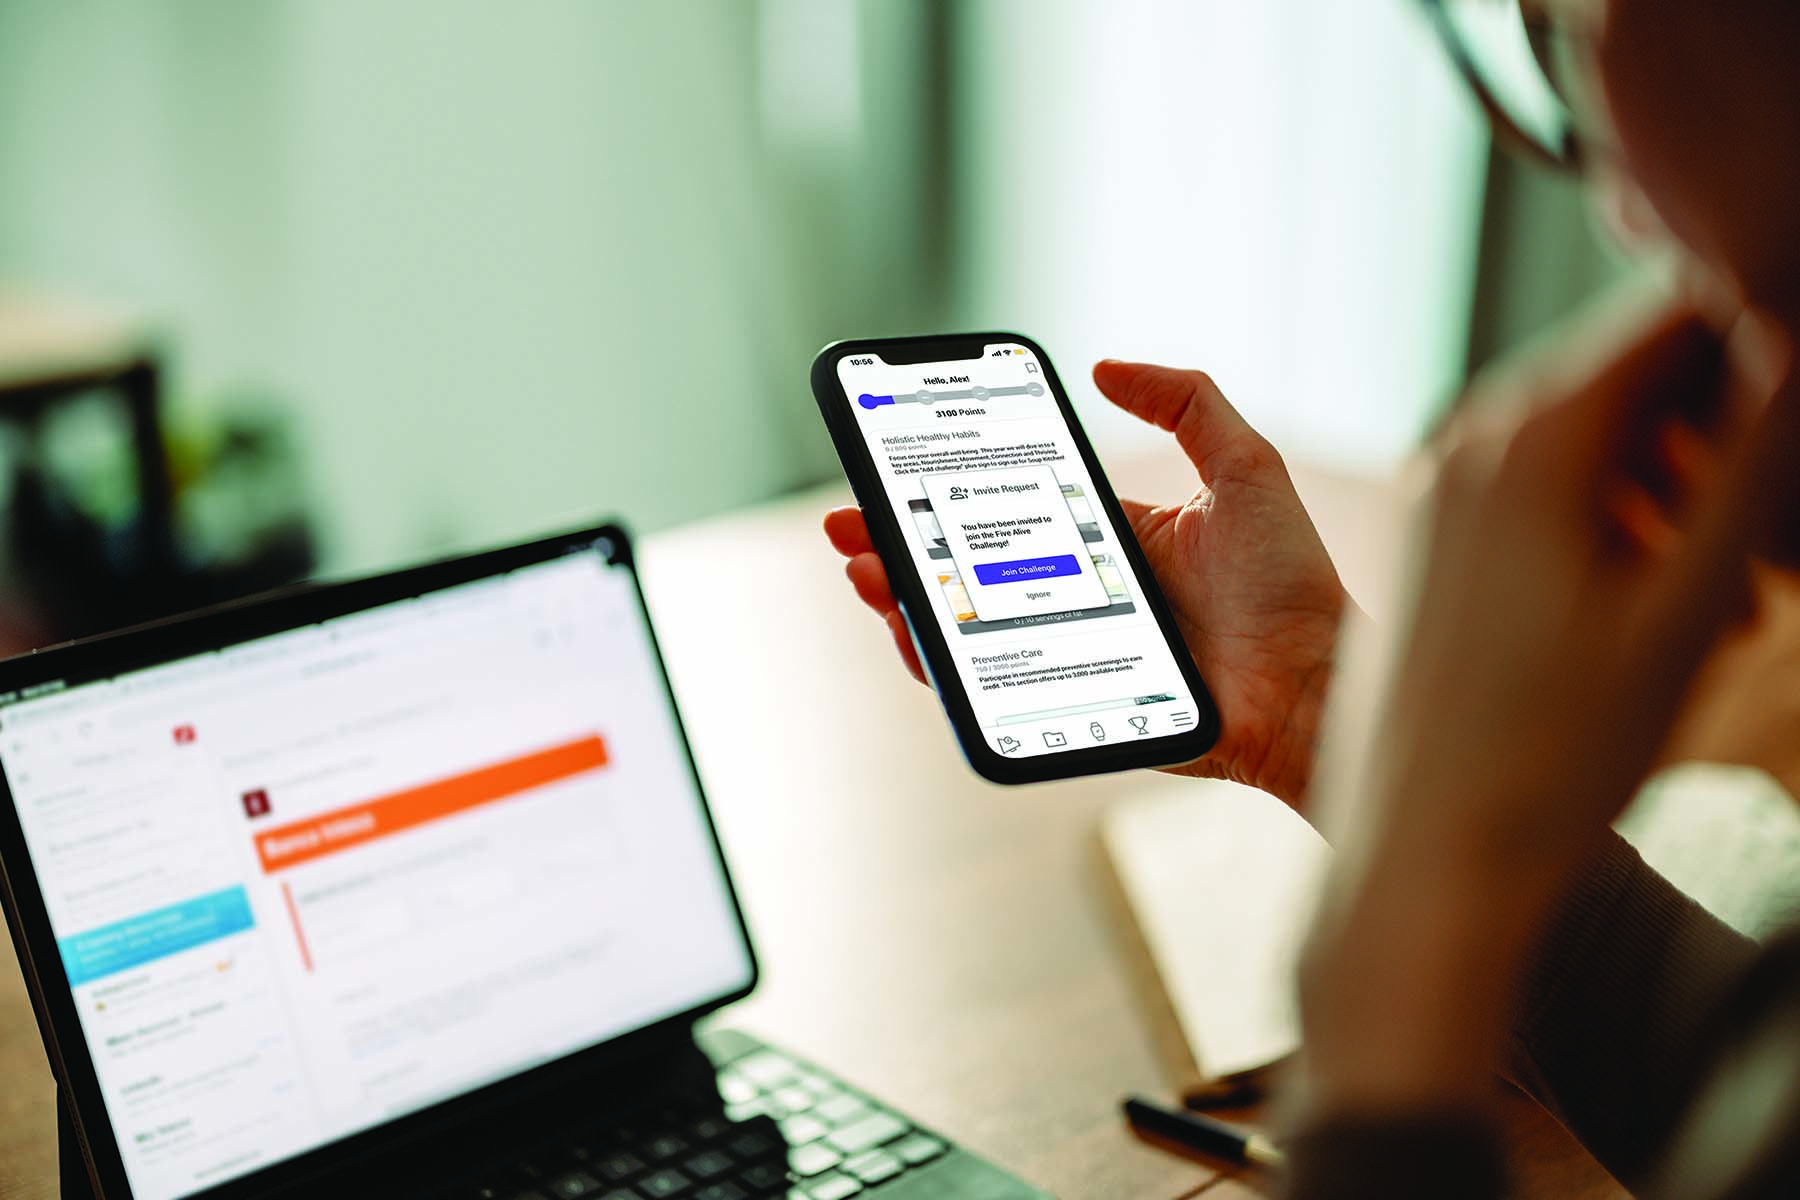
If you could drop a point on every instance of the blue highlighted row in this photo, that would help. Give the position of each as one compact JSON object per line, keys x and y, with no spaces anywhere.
{"x":149,"y":936}
{"x":868,"y":401}
{"x":1023,"y":570}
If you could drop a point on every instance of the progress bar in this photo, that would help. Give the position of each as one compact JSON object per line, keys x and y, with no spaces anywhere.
{"x":927,"y":396}
{"x":1074,"y":709}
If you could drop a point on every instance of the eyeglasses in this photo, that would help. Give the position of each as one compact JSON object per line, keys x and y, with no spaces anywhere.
{"x":1512,"y":56}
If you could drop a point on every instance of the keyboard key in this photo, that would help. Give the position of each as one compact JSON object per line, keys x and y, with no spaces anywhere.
{"x":792,"y":1098}
{"x":665,"y":1182}
{"x":810,"y":1160}
{"x":804,"y":1128}
{"x":665,"y":1147}
{"x":833,"y":1187}
{"x":735,"y":1089}
{"x":708,"y":1164}
{"x":616,"y":1167}
{"x":867,"y":1133}
{"x":874,"y":1166}
{"x":573,"y":1186}
{"x":721,"y":1191}
{"x":767,"y":1069}
{"x":920,"y":1147}
{"x":818,"y":1085}
{"x":705,"y":1129}
{"x":752,"y":1143}
{"x":840,"y":1107}
{"x":750,"y":1108}
{"x":764,"y":1177}
{"x":619,"y":1194}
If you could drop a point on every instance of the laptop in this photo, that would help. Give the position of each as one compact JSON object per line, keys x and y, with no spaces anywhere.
{"x":406,"y":887}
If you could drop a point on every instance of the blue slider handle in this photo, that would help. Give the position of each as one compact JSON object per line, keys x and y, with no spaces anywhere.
{"x":871,"y":402}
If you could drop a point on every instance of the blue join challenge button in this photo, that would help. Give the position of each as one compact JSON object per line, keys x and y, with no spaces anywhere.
{"x":153,"y":935}
{"x":1023,"y":570}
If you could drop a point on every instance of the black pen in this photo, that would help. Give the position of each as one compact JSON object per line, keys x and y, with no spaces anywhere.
{"x":1195,"y":1132}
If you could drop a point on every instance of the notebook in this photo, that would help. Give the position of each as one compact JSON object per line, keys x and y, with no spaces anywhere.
{"x":1220,"y":878}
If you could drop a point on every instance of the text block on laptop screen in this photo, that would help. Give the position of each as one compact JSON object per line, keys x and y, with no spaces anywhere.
{"x":347,"y":828}
{"x":309,"y":883}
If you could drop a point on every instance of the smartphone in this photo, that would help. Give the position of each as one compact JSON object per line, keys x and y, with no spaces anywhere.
{"x":1038,"y":623}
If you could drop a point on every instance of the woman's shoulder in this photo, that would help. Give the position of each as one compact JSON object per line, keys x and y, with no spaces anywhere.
{"x":1740,"y":1139}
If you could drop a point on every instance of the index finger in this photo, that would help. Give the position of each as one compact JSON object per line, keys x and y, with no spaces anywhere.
{"x":1756,"y":492}
{"x":848,"y":531}
{"x":1708,"y":578}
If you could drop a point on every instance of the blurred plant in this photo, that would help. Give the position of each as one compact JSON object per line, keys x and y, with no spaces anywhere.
{"x":238,"y":493}
{"x":81,"y":552}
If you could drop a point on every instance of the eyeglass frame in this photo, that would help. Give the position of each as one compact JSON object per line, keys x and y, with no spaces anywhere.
{"x":1568,"y":157}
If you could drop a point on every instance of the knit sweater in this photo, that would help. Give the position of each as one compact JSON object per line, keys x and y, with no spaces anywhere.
{"x":1667,"y":1043}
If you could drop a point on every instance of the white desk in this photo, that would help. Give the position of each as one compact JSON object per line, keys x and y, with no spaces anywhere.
{"x":959,"y":949}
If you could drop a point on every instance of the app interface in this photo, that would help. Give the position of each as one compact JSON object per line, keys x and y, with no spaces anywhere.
{"x":306,"y":884}
{"x":1044,"y":618}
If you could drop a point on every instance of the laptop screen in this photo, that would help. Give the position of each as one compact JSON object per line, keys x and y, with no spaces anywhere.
{"x":306,"y":884}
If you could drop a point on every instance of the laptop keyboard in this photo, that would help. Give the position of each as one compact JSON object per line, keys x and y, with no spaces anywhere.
{"x":786,"y":1130}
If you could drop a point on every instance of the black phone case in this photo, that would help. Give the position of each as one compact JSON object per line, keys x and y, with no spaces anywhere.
{"x":915,"y":602}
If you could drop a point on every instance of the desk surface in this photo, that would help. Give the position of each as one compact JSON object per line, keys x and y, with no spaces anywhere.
{"x":960,"y":949}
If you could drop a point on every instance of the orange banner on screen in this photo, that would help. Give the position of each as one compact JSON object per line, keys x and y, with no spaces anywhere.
{"x":355,"y":824}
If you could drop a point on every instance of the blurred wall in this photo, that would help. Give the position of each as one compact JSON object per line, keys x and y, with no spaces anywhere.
{"x":510,"y":264}
{"x":515,"y":265}
{"x":1286,"y":193}
{"x":1543,"y":256}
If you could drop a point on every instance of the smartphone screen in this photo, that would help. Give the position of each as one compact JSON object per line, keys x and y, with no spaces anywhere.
{"x":1057,"y":642}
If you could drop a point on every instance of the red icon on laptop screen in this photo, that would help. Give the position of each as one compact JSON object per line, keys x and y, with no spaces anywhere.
{"x":256,"y":803}
{"x":184,"y":735}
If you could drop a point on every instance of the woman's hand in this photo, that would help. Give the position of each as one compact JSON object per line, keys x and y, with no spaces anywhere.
{"x":1250,"y":584}
{"x":1563,"y":609}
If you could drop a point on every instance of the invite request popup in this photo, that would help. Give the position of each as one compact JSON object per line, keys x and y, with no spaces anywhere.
{"x":1015,"y":542}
